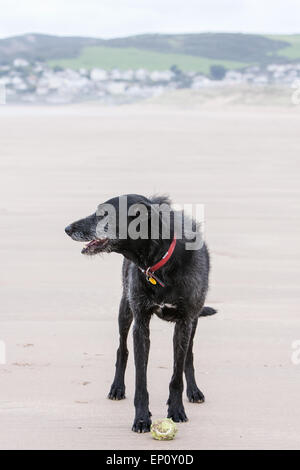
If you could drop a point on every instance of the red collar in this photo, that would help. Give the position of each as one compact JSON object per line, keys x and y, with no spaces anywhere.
{"x":149,"y":272}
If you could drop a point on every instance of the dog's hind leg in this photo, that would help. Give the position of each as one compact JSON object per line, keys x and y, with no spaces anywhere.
{"x":181,"y":341}
{"x":117,"y":391}
{"x":193,"y":393}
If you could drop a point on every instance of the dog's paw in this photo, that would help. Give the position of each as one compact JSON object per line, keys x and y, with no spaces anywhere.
{"x":142,"y":424}
{"x":177,"y":414}
{"x":195,"y":395}
{"x":117,"y":392}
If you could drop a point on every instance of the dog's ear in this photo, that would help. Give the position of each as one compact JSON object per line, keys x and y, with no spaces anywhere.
{"x":160,"y":199}
{"x":150,"y":216}
{"x":140,"y":209}
{"x":161,"y":217}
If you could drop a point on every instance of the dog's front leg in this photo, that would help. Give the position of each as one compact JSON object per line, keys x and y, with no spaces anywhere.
{"x":141,"y":339}
{"x":182,"y":334}
{"x":117,"y":390}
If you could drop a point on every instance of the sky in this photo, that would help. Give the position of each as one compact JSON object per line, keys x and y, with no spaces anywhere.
{"x":117,"y":18}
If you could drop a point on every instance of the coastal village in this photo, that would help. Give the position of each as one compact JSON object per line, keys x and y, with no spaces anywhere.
{"x":37,"y":82}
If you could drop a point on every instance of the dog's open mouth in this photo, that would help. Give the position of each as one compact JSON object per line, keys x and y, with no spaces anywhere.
{"x":95,"y":246}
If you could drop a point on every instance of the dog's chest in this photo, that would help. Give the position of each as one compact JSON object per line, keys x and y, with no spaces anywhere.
{"x":166,"y":311}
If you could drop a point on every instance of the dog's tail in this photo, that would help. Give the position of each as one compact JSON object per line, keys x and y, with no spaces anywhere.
{"x":207,"y":311}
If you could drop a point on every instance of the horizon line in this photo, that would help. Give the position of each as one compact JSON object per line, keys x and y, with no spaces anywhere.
{"x":146,"y":34}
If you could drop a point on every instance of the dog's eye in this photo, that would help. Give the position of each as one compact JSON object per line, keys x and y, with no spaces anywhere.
{"x":102,"y":214}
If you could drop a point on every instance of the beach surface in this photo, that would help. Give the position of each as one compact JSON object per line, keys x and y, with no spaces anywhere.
{"x":58,"y":310}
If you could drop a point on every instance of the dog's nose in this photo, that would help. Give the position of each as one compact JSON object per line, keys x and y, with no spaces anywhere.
{"x":68,"y":230}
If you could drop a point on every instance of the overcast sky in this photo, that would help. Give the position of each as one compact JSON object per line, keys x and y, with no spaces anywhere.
{"x":113,"y":18}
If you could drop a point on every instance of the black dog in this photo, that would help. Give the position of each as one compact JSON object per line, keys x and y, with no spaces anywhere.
{"x":174,"y":289}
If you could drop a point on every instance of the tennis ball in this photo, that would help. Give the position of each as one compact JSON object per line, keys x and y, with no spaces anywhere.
{"x":163,"y":429}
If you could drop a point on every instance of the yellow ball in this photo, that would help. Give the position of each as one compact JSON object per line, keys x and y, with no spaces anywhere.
{"x":163,"y":429}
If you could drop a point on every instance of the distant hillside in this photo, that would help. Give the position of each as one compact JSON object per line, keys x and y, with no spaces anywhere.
{"x":292,"y":51}
{"x":43,"y":47}
{"x":219,"y":46}
{"x":126,"y":58}
{"x":190,"y":52}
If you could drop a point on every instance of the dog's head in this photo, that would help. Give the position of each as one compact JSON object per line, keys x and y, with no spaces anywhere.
{"x":117,"y":225}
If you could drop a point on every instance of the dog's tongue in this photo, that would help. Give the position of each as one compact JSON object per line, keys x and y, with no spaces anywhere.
{"x":93,"y":242}
{"x":92,"y":246}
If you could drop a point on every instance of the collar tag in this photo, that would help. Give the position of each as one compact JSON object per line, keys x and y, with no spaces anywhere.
{"x":153,"y":279}
{"x":149,"y":272}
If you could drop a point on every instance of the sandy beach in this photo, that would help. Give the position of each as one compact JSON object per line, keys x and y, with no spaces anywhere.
{"x":58,"y":310}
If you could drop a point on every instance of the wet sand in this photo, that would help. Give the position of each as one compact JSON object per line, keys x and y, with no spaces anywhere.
{"x":58,"y":311}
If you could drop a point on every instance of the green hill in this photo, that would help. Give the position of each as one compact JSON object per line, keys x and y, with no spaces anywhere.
{"x":132,"y":58}
{"x":43,"y":47}
{"x":292,"y":51}
{"x":219,"y":46}
{"x":190,"y":52}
